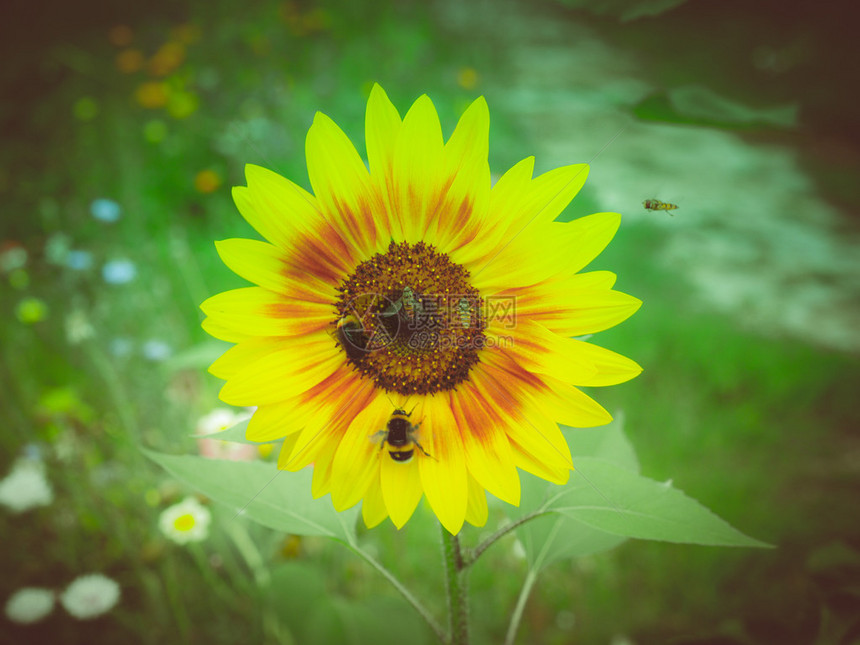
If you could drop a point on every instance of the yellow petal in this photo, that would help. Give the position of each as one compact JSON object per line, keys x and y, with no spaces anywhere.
{"x":504,"y":196}
{"x":357,"y":458}
{"x":222,"y":332}
{"x":582,"y":313}
{"x":476,"y":509}
{"x":274,"y":421}
{"x":466,"y":172}
{"x":417,"y":173}
{"x":610,"y":367}
{"x":554,"y":190}
{"x":537,"y":434}
{"x":280,"y":375}
{"x":322,"y":479}
{"x":238,"y":356}
{"x":286,"y":448}
{"x":540,"y":351}
{"x":569,"y":405}
{"x":382,"y":125}
{"x":488,"y":454}
{"x":541,"y":252}
{"x":591,"y":281}
{"x":373,"y":506}
{"x":508,"y":194}
{"x":520,"y":204}
{"x":530,"y":463}
{"x":260,"y":312}
{"x":342,"y":397}
{"x":401,"y":486}
{"x":255,"y":261}
{"x":444,"y":477}
{"x":307,"y":445}
{"x":276,"y":207}
{"x":342,"y":185}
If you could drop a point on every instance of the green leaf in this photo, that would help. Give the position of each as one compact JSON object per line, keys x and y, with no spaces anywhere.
{"x":278,"y":499}
{"x":617,"y":501}
{"x":625,"y":9}
{"x":198,"y":356}
{"x":701,"y":104}
{"x":555,"y":537}
{"x":608,"y":443}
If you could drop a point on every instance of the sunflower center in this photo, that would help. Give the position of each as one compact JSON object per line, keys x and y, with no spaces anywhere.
{"x":409,"y":319}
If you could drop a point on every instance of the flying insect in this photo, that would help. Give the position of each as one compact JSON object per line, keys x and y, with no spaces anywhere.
{"x":657,"y":205}
{"x":399,"y":434}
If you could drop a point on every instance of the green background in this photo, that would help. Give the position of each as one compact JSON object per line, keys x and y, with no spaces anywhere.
{"x":745,"y":117}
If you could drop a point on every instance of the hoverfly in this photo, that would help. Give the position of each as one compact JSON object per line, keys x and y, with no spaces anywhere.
{"x":465,"y":312}
{"x":411,"y":303}
{"x":657,"y":205}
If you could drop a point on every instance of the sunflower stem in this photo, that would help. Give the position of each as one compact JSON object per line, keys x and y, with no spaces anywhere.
{"x":455,"y":582}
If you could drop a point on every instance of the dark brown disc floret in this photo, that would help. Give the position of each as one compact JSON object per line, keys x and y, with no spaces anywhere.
{"x":409,"y":319}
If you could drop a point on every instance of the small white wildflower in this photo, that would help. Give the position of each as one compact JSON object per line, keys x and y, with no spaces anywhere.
{"x":25,"y":487}
{"x":218,"y":420}
{"x":78,"y":327}
{"x":187,"y":521}
{"x":90,"y":596}
{"x":29,"y":605}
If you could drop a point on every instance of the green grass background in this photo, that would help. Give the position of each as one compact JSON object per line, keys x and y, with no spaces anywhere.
{"x":756,"y":420}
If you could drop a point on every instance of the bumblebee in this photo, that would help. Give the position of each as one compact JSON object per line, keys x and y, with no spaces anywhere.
{"x":657,"y":205}
{"x":350,"y":335}
{"x":399,"y":434}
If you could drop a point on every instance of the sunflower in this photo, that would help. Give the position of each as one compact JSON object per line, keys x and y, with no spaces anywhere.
{"x":411,"y":331}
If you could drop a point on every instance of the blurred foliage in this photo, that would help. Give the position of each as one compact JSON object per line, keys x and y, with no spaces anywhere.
{"x":157,"y":107}
{"x":624,"y":9}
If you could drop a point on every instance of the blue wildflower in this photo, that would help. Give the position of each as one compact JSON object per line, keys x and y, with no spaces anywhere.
{"x":79,"y":260}
{"x":119,"y":271}
{"x":156,"y":350}
{"x":120,"y":347}
{"x":105,"y":210}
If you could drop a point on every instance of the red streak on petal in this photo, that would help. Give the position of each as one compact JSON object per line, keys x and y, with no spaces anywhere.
{"x":325,"y":256}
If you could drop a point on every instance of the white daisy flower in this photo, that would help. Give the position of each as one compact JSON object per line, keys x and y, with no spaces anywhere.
{"x":78,"y":327}
{"x":220,"y":419}
{"x":187,"y":521}
{"x":90,"y":596}
{"x":25,"y":487}
{"x":29,"y":605}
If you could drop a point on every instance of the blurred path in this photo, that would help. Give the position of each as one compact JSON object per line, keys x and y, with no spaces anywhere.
{"x":752,"y":234}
